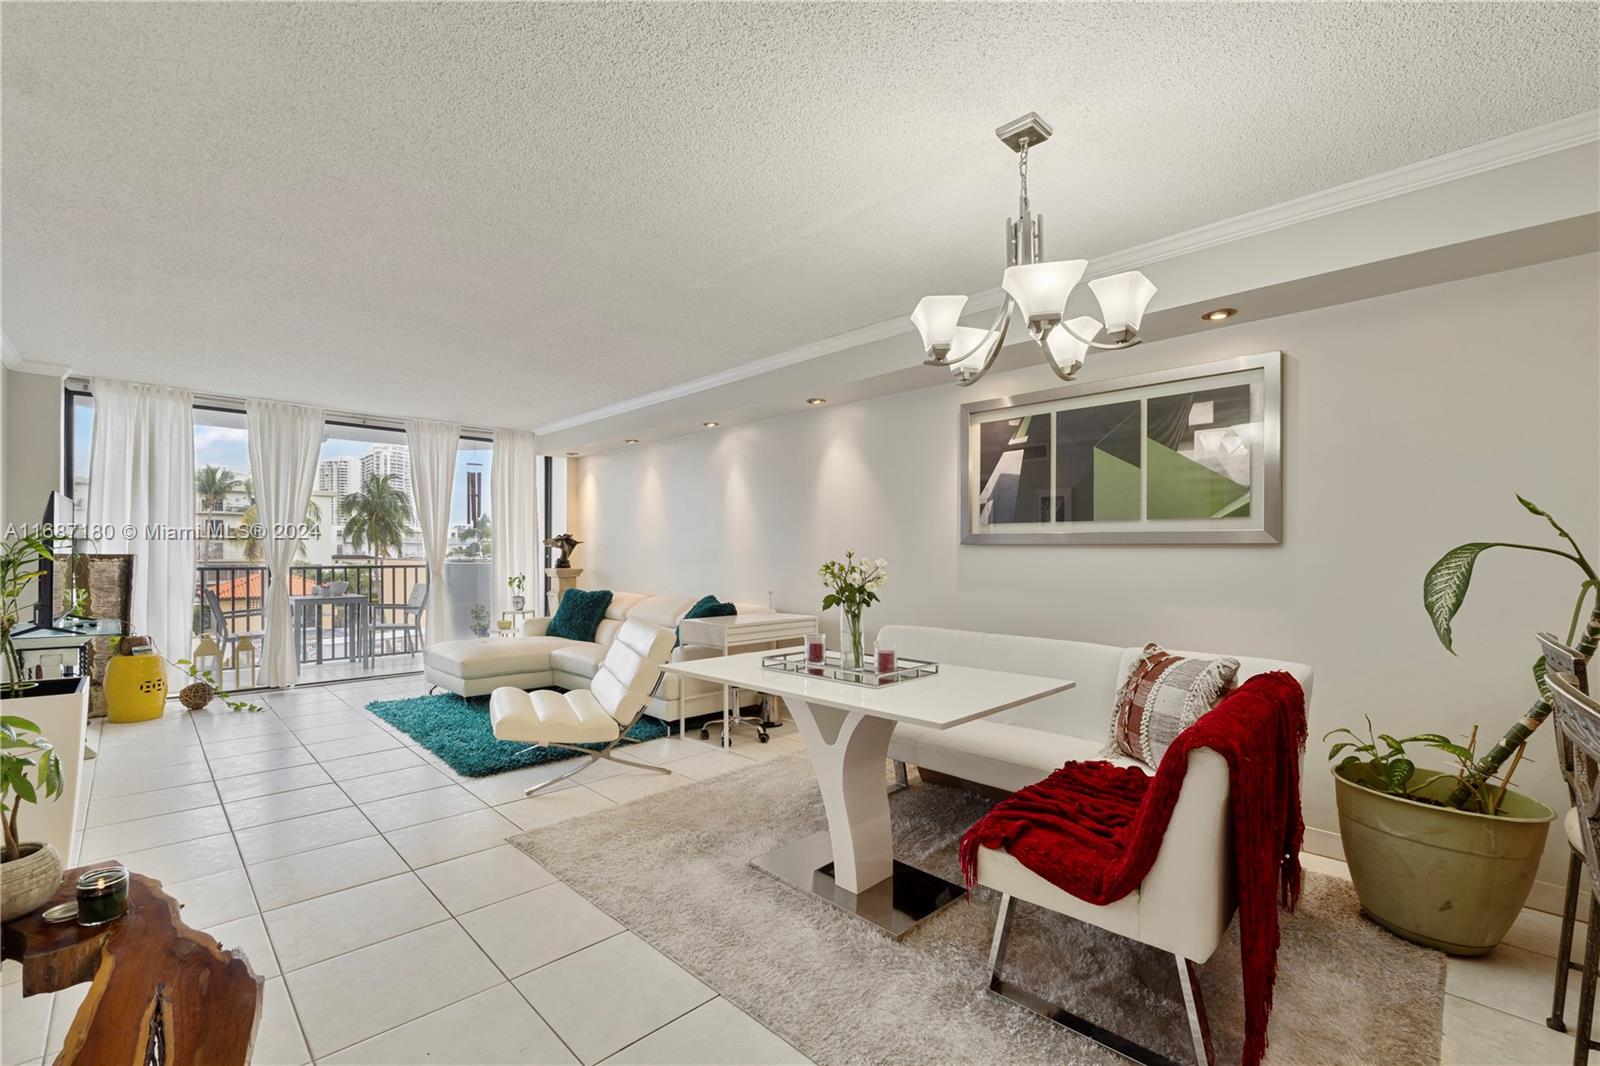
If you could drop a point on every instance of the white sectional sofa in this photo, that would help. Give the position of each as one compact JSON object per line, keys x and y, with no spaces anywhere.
{"x":477,"y":667}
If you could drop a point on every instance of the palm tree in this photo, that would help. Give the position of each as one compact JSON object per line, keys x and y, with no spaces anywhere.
{"x":378,"y":515}
{"x":476,"y":540}
{"x":212,"y":485}
{"x":249,"y":530}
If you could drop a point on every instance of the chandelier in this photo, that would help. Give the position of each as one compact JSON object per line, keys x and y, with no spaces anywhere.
{"x":1038,"y":289}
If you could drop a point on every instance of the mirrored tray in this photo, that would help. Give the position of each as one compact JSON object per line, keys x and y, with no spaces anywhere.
{"x":832,"y":669}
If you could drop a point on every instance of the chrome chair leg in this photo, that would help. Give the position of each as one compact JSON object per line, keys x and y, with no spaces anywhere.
{"x":901,"y":780}
{"x":1564,"y":963}
{"x":1002,"y":936}
{"x":541,"y":786}
{"x":1194,"y":1006}
{"x":608,"y":753}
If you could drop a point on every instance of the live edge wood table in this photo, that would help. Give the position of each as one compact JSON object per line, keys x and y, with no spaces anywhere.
{"x":162,"y":993}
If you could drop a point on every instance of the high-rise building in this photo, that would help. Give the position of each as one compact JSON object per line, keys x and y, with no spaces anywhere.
{"x":391,"y":460}
{"x":338,"y":477}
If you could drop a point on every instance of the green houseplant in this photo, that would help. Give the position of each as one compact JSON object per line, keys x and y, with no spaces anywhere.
{"x":518,"y":583}
{"x":852,"y":587}
{"x":30,"y":871}
{"x":1446,"y":858}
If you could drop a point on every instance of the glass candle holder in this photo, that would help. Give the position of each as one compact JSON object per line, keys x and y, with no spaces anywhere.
{"x":102,"y":895}
{"x":885,"y":657}
{"x":814,"y":647}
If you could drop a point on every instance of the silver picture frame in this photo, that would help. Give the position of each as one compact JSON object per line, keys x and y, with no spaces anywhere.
{"x":1264,"y":525}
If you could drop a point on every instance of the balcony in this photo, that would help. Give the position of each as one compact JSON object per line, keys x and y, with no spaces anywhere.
{"x":327,"y":644}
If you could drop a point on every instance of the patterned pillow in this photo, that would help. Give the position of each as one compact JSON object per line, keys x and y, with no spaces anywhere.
{"x":579,"y":614}
{"x":1163,"y":695}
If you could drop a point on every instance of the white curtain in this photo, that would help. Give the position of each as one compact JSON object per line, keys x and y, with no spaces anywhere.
{"x":515,"y":500}
{"x":285,"y":440}
{"x":141,"y":464}
{"x":433,"y":469}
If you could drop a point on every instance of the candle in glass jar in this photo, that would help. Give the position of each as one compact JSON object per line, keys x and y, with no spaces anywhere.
{"x":814,"y":648}
{"x":102,"y":895}
{"x":885,"y":660}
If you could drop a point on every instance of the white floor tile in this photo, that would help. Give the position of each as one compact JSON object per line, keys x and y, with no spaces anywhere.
{"x":431,"y":842}
{"x":513,"y":784}
{"x":284,"y":699}
{"x":63,"y":1012}
{"x":266,"y":741}
{"x":24,"y":1024}
{"x":1512,"y":981}
{"x":108,"y":840}
{"x":394,"y":783}
{"x":10,"y":972}
{"x":484,"y":877}
{"x":701,"y":767}
{"x":578,"y":995}
{"x":333,"y":924}
{"x":668,"y":749}
{"x":527,"y":931}
{"x":1540,"y":933}
{"x":489,"y":1029}
{"x":378,"y":740}
{"x":637,"y":786}
{"x":148,"y":804}
{"x":213,"y":898}
{"x":279,"y":806}
{"x":362,"y":993}
{"x":259,"y":762}
{"x":557,"y":805}
{"x":291,"y":837}
{"x":278,"y":1038}
{"x":113,"y":777}
{"x":265,"y":784}
{"x":292,"y":878}
{"x":715,"y":1034}
{"x":358,"y":766}
{"x":1475,"y":1035}
{"x":249,"y":935}
{"x":397,"y":812}
{"x":356,"y":725}
{"x":181,"y":861}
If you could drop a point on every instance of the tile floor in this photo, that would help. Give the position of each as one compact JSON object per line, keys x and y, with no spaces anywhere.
{"x":374,"y":890}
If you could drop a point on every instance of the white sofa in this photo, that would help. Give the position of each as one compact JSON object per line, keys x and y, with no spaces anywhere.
{"x":1185,"y":902}
{"x":478,"y":666}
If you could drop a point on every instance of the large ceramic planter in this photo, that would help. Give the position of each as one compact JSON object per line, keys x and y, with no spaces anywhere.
{"x":60,"y":707}
{"x":26,"y":884}
{"x":1440,"y":877}
{"x":135,"y":687}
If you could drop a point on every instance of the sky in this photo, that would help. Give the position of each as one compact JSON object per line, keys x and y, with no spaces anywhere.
{"x":228,"y":446}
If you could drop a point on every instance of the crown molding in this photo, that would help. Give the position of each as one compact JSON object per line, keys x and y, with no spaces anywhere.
{"x":1579,"y":129}
{"x":12,"y":360}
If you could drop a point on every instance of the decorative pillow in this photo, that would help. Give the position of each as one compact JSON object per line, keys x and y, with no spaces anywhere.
{"x":1163,"y":695}
{"x":579,"y":614}
{"x":707,"y":607}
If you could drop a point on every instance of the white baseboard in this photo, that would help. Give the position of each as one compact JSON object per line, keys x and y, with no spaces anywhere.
{"x":1545,"y":896}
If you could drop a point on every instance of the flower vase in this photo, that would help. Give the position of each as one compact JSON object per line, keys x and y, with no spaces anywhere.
{"x":851,"y":644}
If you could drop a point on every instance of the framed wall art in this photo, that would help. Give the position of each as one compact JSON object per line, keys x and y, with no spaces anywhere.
{"x":1182,"y":456}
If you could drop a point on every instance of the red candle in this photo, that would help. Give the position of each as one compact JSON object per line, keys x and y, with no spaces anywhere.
{"x":885,"y":660}
{"x":814,"y":648}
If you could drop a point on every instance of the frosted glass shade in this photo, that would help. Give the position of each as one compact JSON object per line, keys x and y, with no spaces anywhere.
{"x":936,"y":318}
{"x":1041,"y":289}
{"x":1123,"y":298}
{"x":1067,"y":351}
{"x":971,"y":349}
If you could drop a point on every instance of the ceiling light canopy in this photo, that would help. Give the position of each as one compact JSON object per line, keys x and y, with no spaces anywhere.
{"x":1037,"y":287}
{"x":630,"y":440}
{"x":711,"y":425}
{"x":1220,"y":314}
{"x":817,"y":401}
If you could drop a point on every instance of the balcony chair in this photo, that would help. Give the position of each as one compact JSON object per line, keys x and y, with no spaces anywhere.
{"x":410,"y":624}
{"x":1565,"y":662}
{"x":623,"y":687}
{"x":218,"y":623}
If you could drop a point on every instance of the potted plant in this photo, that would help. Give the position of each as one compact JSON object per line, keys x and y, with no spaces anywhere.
{"x":1446,"y":859}
{"x":852,"y":587}
{"x":480,"y":620}
{"x":30,"y":871}
{"x":517,"y":583}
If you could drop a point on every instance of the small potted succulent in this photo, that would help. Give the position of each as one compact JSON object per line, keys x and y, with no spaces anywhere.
{"x":30,"y":771}
{"x":518,"y":583}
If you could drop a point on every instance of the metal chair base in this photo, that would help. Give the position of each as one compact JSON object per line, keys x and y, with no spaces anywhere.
{"x":1188,"y":973}
{"x":901,"y":779}
{"x":607,"y":753}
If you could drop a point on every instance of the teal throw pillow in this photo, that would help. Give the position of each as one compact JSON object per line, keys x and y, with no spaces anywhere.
{"x":708,"y":607}
{"x":579,"y":614}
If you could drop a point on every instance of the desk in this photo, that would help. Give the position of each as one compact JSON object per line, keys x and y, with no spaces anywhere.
{"x":846,"y":729}
{"x":67,"y":634}
{"x":358,"y":622}
{"x":728,"y":632}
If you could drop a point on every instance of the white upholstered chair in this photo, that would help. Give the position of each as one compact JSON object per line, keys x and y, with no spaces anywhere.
{"x":601,"y":714}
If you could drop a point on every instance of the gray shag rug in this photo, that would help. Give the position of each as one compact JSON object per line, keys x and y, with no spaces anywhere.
{"x":675,"y":869}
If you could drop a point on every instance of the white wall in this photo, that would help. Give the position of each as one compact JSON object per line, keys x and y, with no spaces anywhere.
{"x":32,"y":443}
{"x":1409,"y":423}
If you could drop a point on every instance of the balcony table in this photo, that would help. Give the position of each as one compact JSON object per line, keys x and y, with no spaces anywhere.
{"x":846,"y":729}
{"x":358,"y":610}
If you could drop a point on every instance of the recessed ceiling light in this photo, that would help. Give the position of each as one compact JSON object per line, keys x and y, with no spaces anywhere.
{"x":1219,"y":314}
{"x":711,"y":425}
{"x":631,"y":440}
{"x":817,"y":401}
{"x":572,"y":455}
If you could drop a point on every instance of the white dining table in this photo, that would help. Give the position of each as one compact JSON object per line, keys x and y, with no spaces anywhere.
{"x":846,"y":729}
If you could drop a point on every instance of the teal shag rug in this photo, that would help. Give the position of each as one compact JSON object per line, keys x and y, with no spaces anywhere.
{"x":458,"y":731}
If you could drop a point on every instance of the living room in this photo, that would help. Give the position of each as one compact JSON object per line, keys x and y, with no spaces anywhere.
{"x":572,"y":533}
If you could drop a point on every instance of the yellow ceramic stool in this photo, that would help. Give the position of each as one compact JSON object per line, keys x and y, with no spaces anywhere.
{"x":135,"y":687}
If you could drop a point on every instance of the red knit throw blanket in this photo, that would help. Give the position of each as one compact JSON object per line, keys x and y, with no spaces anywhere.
{"x":1093,"y":829}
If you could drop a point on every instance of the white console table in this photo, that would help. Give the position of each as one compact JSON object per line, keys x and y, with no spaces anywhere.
{"x":743,"y":631}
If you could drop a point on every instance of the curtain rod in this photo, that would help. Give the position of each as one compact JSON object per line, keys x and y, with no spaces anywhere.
{"x":211,"y":402}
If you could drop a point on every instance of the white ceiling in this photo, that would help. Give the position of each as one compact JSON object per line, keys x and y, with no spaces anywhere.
{"x":506,"y":214}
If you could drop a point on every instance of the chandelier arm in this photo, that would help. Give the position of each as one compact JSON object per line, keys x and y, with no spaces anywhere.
{"x":1002,"y":325}
{"x":1118,"y":346}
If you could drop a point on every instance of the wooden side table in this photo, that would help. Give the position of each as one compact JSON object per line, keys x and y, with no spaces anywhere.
{"x":162,"y":992}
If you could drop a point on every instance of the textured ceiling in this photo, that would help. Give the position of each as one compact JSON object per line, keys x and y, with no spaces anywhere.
{"x":510,"y":213}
